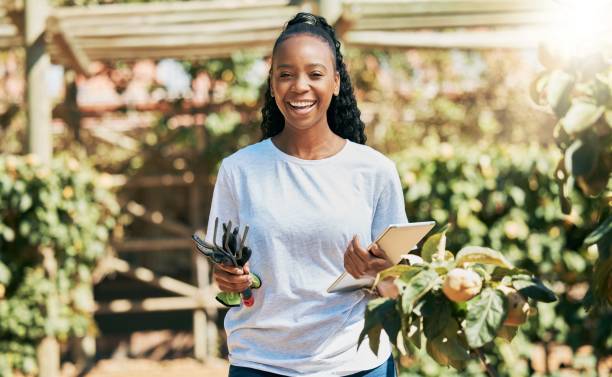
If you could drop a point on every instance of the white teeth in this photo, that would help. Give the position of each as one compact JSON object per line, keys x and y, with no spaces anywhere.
{"x":302,"y":103}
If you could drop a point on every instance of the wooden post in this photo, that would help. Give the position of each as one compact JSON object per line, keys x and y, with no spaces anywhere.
{"x":48,"y":351}
{"x":330,"y":10}
{"x":37,"y":67}
{"x":40,"y":144}
{"x":204,"y":326}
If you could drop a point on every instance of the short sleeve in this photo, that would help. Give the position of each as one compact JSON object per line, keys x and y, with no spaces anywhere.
{"x":390,"y":207}
{"x":223,"y":206}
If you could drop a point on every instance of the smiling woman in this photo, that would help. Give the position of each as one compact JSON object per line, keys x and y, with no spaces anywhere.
{"x":309,"y":191}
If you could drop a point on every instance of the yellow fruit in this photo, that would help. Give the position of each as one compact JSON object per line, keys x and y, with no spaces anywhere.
{"x":461,"y":285}
{"x":2,"y":291}
{"x":387,"y":288}
{"x":518,"y":307}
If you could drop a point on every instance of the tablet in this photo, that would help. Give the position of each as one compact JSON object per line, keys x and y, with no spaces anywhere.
{"x":397,"y":240}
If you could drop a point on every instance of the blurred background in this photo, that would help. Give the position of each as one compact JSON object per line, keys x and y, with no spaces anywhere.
{"x":115,"y":115}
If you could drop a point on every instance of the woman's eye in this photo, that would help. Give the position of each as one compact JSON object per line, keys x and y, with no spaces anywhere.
{"x":285,"y":74}
{"x":316,"y":74}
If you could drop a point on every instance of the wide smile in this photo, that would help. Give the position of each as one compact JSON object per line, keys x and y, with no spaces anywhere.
{"x":301,"y":107}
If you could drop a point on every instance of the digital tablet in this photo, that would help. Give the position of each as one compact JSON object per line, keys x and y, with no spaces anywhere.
{"x":397,"y":240}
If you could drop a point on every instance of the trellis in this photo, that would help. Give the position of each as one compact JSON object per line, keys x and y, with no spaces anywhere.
{"x":76,"y":36}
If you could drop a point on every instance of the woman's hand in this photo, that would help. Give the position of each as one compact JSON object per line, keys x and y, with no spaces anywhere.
{"x":232,"y":279}
{"x":359,"y":261}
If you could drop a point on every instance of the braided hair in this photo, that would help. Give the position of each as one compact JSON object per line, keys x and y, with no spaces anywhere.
{"x":343,"y":116}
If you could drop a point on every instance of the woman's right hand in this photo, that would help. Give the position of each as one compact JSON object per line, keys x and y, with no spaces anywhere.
{"x":232,"y":279}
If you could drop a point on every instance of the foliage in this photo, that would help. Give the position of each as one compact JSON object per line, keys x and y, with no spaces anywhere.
{"x":455,"y":327}
{"x":579,"y":92}
{"x":62,"y":210}
{"x":454,"y":94}
{"x":505,"y":198}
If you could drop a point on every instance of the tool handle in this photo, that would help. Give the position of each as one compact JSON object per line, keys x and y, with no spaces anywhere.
{"x":247,"y":298}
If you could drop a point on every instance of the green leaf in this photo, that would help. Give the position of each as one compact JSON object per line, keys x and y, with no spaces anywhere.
{"x":608,"y":116}
{"x":450,"y":347}
{"x":415,"y":287}
{"x":600,"y":286}
{"x":485,"y":315}
{"x":430,"y":247}
{"x":536,"y":87}
{"x":396,"y":271}
{"x":558,"y":90}
{"x":414,"y":332}
{"x":500,"y":272}
{"x":533,"y":288}
{"x":436,"y":315}
{"x":484,"y":255}
{"x":8,"y":234}
{"x":25,"y":202}
{"x":5,"y":274}
{"x":604,"y":228}
{"x":380,"y":313}
{"x":581,"y":116}
{"x":581,"y":158}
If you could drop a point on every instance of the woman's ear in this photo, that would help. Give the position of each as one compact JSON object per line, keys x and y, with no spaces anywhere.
{"x":336,"y":84}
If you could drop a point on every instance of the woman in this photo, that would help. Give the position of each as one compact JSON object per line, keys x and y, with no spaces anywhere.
{"x":309,"y":191}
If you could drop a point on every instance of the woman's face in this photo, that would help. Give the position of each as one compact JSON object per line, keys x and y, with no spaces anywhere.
{"x":303,"y":81}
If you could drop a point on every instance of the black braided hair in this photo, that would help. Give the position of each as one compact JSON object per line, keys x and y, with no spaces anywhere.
{"x":343,"y":116}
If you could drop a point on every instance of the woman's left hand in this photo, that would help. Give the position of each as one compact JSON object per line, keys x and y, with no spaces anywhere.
{"x":359,"y":261}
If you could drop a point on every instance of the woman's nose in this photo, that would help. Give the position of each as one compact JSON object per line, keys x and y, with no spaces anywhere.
{"x":301,"y":84}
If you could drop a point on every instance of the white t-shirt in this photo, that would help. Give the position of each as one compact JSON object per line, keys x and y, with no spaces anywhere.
{"x":302,"y":215}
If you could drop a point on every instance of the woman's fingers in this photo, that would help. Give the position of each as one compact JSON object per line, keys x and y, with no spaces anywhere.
{"x":359,"y":261}
{"x":361,"y":253}
{"x":230,"y":269}
{"x":352,"y":264}
{"x":230,"y":281}
{"x":377,"y":251}
{"x":238,"y":288}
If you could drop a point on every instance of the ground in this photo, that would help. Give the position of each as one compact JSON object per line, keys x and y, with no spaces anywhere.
{"x":148,"y":368}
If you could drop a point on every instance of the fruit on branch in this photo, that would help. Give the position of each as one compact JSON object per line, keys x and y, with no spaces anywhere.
{"x":387,"y":288}
{"x":518,"y":307}
{"x":461,"y":284}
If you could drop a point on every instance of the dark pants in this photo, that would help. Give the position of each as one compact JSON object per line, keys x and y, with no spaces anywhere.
{"x":387,"y":369}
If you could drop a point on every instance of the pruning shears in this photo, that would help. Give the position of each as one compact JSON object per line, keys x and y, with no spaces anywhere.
{"x":230,"y":253}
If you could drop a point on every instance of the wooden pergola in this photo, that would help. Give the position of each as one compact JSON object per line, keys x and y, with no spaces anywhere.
{"x":76,"y":36}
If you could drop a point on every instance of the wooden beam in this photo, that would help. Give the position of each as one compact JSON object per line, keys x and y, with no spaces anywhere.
{"x":148,"y":276}
{"x":273,"y":22}
{"x":448,"y":21}
{"x":396,"y":7}
{"x":56,"y":32}
{"x":344,"y":23}
{"x":116,"y":138}
{"x":157,"y":218}
{"x":189,"y":52}
{"x":504,"y":39}
{"x":10,"y":42}
{"x":165,"y":7}
{"x":154,"y":244}
{"x":166,"y":180}
{"x":14,"y":11}
{"x":157,"y":304}
{"x":177,"y":41}
{"x":8,"y":30}
{"x":139,"y":18}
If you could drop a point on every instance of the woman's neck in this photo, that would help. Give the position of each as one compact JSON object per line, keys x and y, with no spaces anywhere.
{"x":309,"y":144}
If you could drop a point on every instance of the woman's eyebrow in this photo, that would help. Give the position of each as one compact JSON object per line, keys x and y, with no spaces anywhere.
{"x":311,"y":65}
